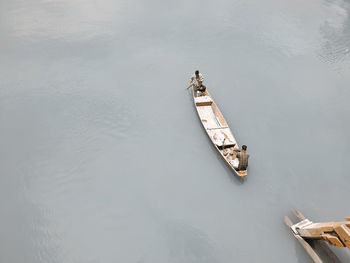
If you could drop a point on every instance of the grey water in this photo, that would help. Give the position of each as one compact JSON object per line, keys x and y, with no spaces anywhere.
{"x":102,"y":155}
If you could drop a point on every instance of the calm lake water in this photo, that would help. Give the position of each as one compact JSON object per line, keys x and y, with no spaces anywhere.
{"x":102,"y":155}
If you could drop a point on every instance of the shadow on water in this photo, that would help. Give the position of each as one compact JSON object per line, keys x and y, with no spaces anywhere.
{"x":321,"y":248}
{"x":300,"y":253}
{"x":233,"y":178}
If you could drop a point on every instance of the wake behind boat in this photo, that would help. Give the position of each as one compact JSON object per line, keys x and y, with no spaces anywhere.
{"x":218,"y":131}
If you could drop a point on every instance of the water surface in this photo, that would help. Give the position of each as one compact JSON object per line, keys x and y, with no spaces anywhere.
{"x":103,"y":158}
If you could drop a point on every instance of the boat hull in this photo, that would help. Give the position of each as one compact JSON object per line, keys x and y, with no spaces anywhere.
{"x":218,"y":131}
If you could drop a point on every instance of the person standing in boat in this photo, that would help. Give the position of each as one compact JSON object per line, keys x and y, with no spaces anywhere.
{"x":243,"y":157}
{"x":197,"y":83}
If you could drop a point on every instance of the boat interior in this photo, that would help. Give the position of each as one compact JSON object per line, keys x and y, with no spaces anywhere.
{"x":217,"y":128}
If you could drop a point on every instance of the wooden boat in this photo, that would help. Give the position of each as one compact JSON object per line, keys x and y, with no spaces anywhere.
{"x":218,"y":131}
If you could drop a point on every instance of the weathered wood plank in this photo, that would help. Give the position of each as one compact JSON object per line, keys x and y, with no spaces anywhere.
{"x":299,"y":215}
{"x":304,"y":244}
{"x":324,"y":251}
{"x":320,"y":246}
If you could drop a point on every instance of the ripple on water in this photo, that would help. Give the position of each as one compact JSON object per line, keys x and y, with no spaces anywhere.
{"x":74,"y":133}
{"x":44,"y":236}
{"x":335,"y":32}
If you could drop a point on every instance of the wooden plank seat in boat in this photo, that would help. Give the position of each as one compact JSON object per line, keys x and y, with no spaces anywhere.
{"x":203,"y":101}
{"x":217,"y":128}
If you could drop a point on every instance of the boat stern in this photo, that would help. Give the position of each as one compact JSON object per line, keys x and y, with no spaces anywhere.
{"x":242,"y":174}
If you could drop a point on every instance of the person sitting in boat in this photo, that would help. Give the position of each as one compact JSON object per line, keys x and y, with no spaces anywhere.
{"x":197,"y":83}
{"x":243,"y":157}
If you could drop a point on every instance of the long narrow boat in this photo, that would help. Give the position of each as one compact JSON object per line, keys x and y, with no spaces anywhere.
{"x":218,"y":131}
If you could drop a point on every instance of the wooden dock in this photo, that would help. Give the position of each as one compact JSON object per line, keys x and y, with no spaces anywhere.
{"x":318,"y":249}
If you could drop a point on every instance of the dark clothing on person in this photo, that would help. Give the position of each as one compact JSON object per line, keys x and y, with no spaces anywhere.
{"x":201,"y":88}
{"x":243,"y":160}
